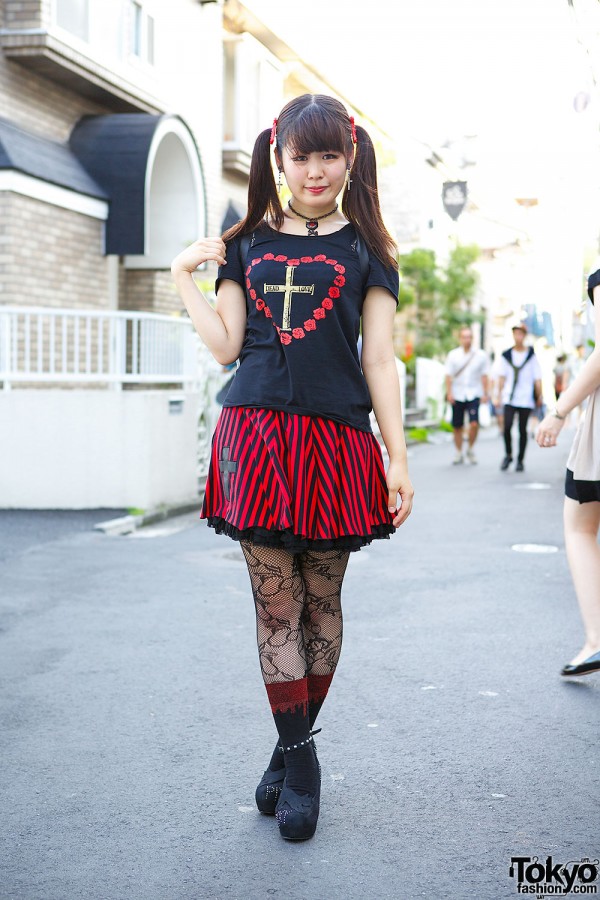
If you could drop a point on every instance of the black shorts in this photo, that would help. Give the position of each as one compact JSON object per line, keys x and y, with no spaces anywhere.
{"x":582,"y":491}
{"x":460,"y":407}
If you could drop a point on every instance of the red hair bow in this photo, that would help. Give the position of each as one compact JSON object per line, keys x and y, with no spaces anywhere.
{"x":353,"y":127}
{"x":273,"y":137}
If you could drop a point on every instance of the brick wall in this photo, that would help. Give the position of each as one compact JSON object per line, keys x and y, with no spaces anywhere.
{"x":40,"y":105}
{"x":26,"y":13}
{"x":50,"y":256}
{"x":148,"y":290}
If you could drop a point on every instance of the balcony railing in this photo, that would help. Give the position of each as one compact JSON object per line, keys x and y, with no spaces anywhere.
{"x":68,"y":346}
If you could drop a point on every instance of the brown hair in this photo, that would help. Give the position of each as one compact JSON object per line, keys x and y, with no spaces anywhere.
{"x":305,"y":125}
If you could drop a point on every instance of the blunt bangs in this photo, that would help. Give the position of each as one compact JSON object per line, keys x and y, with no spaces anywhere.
{"x":317,"y":129}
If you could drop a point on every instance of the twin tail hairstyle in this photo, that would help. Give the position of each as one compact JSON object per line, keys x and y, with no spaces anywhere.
{"x":308,"y":124}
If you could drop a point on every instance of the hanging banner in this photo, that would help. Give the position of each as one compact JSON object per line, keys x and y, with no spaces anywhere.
{"x":454,"y":196}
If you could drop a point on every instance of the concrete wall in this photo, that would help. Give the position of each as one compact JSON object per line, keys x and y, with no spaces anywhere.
{"x":85,"y":449}
{"x":431,"y":386}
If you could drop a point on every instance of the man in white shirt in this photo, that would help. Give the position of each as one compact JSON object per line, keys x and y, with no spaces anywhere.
{"x":466,"y":384}
{"x":519,"y":389}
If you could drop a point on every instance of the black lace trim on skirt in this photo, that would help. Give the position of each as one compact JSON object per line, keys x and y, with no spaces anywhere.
{"x":296,"y":543}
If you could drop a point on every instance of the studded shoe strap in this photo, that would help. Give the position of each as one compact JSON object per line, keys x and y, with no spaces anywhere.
{"x":309,"y":740}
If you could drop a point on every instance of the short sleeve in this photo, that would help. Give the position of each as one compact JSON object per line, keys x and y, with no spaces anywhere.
{"x":383,"y":276}
{"x":233,"y":270}
{"x":593,"y":281}
{"x":503,"y":369}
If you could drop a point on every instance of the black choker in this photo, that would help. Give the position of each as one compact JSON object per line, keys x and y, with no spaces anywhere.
{"x":312,"y":222}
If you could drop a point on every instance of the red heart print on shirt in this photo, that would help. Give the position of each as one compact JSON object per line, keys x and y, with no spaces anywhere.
{"x":289,"y":289}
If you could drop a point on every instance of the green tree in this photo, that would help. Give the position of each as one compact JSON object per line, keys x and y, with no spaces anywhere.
{"x":441,"y":297}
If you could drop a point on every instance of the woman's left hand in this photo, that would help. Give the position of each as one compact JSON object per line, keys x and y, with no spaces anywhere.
{"x":548,"y":431}
{"x":398,"y":482}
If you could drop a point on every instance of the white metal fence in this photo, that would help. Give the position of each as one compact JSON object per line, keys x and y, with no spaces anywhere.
{"x":42,"y":345}
{"x":67,"y":347}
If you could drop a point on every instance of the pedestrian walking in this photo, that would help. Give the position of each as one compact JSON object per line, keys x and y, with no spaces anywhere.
{"x":582,"y":493}
{"x":496,"y":409}
{"x":296,"y":474}
{"x":467,"y":369}
{"x":519,"y":390}
{"x":561,"y":375}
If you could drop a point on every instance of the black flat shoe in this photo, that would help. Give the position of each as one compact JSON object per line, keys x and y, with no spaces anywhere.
{"x":519,"y":466}
{"x":297,"y":814}
{"x":268,"y":791}
{"x":591,"y":664}
{"x":506,"y":463}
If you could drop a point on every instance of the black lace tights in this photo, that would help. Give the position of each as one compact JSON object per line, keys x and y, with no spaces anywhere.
{"x":298,"y":610}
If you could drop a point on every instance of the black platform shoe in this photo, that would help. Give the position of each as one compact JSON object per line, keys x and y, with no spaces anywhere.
{"x":268,"y":791}
{"x":270,"y":786}
{"x":297,"y":814}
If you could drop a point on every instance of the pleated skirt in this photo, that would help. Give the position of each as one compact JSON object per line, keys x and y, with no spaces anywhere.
{"x":295,"y":482}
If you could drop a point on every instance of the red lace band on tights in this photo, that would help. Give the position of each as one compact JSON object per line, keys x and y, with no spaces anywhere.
{"x":318,"y":685}
{"x":288,"y":696}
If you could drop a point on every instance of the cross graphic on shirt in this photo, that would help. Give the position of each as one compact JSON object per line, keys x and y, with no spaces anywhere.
{"x":288,"y":288}
{"x":226,"y":467}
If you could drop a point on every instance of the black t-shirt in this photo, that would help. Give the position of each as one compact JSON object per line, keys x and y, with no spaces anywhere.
{"x":309,"y":363}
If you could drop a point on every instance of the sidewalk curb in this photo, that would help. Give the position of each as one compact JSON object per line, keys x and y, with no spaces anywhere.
{"x":127,"y":524}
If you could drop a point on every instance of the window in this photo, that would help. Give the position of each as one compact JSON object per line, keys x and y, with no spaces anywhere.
{"x":136,"y":29}
{"x":150,"y":40}
{"x":142,"y":32}
{"x":73,"y":16}
{"x":253,"y":91}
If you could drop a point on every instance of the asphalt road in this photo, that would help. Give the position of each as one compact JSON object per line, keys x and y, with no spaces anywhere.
{"x":134,"y":724}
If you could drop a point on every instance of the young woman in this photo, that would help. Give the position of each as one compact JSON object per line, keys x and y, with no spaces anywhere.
{"x":296,"y":474}
{"x":582,"y":494}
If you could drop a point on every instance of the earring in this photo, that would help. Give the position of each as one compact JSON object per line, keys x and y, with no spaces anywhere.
{"x":348,"y":179}
{"x":279,"y":182}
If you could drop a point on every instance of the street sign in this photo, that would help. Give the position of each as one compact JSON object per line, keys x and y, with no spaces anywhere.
{"x":454,"y":196}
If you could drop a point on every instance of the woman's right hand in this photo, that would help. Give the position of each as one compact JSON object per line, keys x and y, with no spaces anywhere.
{"x":204,"y":250}
{"x":548,"y":430}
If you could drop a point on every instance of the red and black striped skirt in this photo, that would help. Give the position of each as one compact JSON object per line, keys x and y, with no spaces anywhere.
{"x":296,"y":482}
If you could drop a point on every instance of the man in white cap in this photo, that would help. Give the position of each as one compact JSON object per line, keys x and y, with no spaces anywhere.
{"x":519,"y":389}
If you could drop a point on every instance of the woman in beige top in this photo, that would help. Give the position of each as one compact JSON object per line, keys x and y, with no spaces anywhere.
{"x":582,"y":493}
